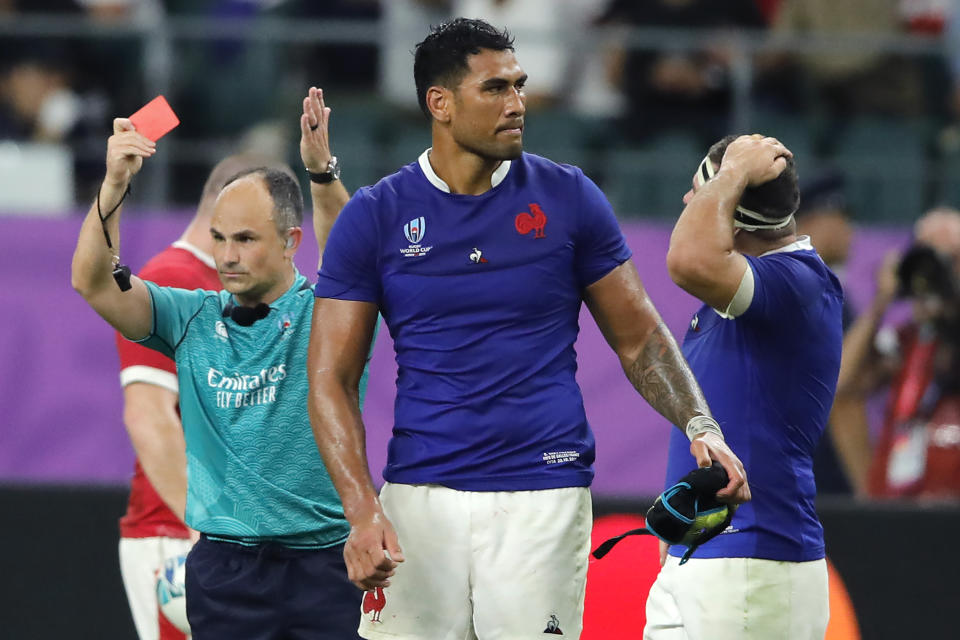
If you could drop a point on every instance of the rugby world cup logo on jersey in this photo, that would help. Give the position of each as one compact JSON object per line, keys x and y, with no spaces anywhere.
{"x":414,"y":231}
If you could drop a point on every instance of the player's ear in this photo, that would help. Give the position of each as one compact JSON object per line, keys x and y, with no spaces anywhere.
{"x":292,"y":239}
{"x":439,"y":100}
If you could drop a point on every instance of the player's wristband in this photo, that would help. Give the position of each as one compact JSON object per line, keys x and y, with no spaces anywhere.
{"x":702,"y":424}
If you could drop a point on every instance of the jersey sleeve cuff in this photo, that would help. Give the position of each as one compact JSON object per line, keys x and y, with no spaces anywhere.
{"x":742,"y":298}
{"x":149,"y":375}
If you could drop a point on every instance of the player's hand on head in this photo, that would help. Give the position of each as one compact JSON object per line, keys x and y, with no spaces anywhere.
{"x":372,"y":552}
{"x":760,"y":159}
{"x":314,"y":132}
{"x":126,"y":150}
{"x":708,"y":448}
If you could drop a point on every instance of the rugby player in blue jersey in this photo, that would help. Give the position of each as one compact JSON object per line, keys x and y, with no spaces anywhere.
{"x":479,"y":257}
{"x":269,"y":562}
{"x":765,"y":348}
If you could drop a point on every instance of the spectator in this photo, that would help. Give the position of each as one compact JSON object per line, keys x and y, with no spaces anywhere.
{"x":918,"y":451}
{"x":402,"y":23}
{"x":343,"y":63}
{"x":680,"y":88}
{"x":594,"y":85}
{"x":37,"y":103}
{"x":950,"y":139}
{"x":543,"y":27}
{"x":824,"y":216}
{"x":848,"y":83}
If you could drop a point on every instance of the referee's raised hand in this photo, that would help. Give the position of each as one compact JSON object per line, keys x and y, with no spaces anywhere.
{"x":126,"y":150}
{"x":314,"y":132}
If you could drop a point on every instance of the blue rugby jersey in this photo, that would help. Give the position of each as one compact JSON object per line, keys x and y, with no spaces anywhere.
{"x":481,"y":295}
{"x":769,"y":377}
{"x":254,"y":472}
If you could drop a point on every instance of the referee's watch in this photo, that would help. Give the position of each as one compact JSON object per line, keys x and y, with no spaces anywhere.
{"x":332,"y":173}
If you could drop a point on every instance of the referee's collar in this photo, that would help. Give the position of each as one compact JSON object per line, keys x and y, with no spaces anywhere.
{"x":424,"y":160}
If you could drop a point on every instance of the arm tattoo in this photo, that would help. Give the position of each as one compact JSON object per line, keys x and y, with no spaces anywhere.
{"x":663,"y":378}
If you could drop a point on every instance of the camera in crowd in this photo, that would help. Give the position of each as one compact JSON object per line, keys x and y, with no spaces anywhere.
{"x":927,"y":277}
{"x":924,"y":272}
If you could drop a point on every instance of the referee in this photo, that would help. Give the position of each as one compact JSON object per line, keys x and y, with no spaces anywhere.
{"x":269,"y":563}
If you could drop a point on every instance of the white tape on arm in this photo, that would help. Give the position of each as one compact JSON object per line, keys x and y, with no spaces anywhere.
{"x":742,"y":298}
{"x":698,"y":425}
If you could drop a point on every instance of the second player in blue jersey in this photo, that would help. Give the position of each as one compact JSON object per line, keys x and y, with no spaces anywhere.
{"x":766,"y":347}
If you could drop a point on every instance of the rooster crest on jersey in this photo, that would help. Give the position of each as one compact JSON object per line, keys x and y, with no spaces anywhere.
{"x":374,"y":601}
{"x":415,"y":230}
{"x":536,"y":220}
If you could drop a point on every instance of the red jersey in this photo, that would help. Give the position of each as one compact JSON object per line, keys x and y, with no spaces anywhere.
{"x":179,"y":265}
{"x":918,"y":454}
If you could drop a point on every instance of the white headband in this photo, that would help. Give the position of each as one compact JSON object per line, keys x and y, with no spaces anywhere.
{"x":705,"y":172}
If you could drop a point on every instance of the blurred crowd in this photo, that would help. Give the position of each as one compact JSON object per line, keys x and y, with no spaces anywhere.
{"x":629,"y":76}
{"x":585,"y":58}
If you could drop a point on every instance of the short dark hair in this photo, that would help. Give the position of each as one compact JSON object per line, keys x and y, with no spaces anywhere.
{"x":775,"y":199}
{"x":283,"y":190}
{"x":441,"y":59}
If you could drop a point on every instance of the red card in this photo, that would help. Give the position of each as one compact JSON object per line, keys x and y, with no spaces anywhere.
{"x":155,"y":119}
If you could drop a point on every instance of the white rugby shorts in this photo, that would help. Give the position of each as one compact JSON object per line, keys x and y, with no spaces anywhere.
{"x":140,"y":559}
{"x":483,"y":565}
{"x":738,"y":599}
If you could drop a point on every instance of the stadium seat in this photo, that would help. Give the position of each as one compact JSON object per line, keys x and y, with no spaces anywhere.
{"x":946,"y":173}
{"x":885,"y":163}
{"x":792,"y":130}
{"x":401,"y":141}
{"x":557,"y":134}
{"x":353,"y":127}
{"x":650,"y":181}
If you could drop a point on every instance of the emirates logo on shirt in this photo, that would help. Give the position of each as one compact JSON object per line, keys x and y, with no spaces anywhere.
{"x":235,"y":390}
